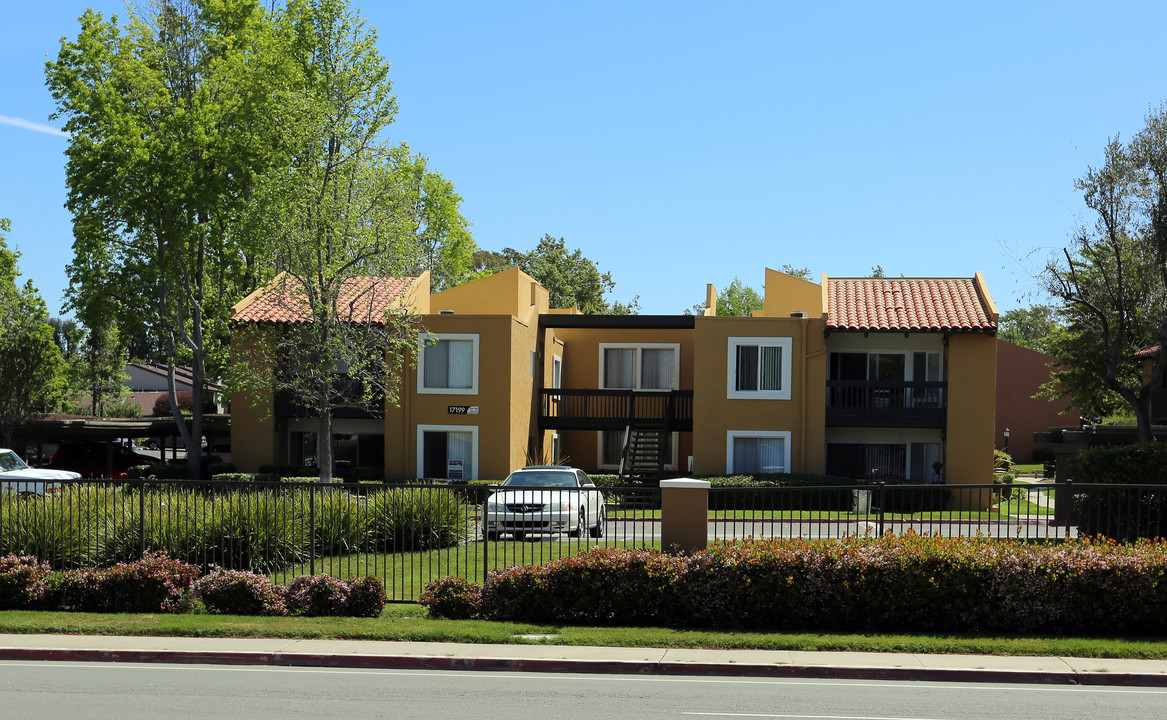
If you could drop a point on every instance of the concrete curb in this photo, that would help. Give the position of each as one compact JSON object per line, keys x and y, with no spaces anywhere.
{"x":620,"y":667}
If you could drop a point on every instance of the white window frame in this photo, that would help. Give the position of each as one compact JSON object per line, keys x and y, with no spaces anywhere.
{"x":636,"y":363}
{"x":787,"y":346}
{"x":423,"y":429}
{"x":671,"y":464}
{"x":732,"y":435}
{"x":425,"y":341}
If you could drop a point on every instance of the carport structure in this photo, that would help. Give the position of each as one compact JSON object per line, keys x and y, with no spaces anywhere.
{"x":52,"y":429}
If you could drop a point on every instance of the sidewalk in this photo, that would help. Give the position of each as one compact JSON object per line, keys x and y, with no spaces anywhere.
{"x":561,"y":658}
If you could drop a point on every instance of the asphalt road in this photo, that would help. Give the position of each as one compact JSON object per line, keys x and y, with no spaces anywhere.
{"x":34,"y":690}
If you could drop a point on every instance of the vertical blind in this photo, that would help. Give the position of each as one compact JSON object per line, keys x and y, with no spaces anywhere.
{"x":759,"y":454}
{"x":449,"y":364}
{"x":759,"y":367}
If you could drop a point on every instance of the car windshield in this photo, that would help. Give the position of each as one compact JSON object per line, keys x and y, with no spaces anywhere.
{"x":541,"y":479}
{"x":9,"y":461}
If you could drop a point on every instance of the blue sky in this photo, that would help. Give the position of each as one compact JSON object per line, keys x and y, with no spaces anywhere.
{"x":681,"y":143}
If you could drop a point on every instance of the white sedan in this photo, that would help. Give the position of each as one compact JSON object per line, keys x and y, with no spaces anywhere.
{"x":16,"y":476}
{"x":544,"y":500}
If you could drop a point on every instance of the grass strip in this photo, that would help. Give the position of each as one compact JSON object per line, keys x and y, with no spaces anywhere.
{"x":409,"y":623}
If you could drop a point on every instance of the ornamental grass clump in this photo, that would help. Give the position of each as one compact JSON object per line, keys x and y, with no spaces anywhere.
{"x":341,"y":523}
{"x":67,"y":529}
{"x":413,"y":519}
{"x":261,"y":532}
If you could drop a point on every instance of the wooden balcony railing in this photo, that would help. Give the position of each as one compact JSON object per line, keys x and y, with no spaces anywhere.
{"x":563,"y":409}
{"x":858,"y":403}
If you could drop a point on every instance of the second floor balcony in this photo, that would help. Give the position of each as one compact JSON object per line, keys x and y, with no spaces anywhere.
{"x":602,"y":409}
{"x":861,"y":403}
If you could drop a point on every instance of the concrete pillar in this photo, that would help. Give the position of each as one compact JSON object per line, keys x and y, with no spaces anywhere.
{"x":684,"y":515}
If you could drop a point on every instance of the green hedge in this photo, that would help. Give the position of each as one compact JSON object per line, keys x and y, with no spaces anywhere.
{"x":1122,"y":513}
{"x":904,"y":583}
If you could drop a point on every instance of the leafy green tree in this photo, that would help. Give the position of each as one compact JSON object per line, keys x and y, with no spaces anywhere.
{"x":800,"y":273}
{"x":171,"y":118}
{"x":441,"y":231}
{"x":571,"y":279}
{"x":1030,"y":327}
{"x":1111,"y":283}
{"x":101,"y":369}
{"x":33,"y":376}
{"x":339,"y":216}
{"x":68,"y":335}
{"x":738,"y":300}
{"x":1077,"y":374}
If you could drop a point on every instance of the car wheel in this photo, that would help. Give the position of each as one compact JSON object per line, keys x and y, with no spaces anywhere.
{"x":580,"y":523}
{"x":489,"y":535}
{"x":519,"y":534}
{"x":598,"y":530}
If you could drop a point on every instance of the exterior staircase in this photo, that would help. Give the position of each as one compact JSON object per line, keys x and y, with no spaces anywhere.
{"x":645,"y":447}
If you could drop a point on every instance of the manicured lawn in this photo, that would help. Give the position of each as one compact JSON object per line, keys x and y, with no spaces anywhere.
{"x":409,"y":623}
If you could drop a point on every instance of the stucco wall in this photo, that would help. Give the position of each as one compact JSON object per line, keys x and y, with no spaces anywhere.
{"x":581,"y":370}
{"x":803,"y":415}
{"x":972,"y":379}
{"x":1020,"y":373}
{"x":502,"y":406}
{"x":253,"y":427}
{"x":786,"y":294}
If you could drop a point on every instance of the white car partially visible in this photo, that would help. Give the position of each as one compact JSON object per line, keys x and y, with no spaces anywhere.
{"x":544,"y":500}
{"x":16,"y":476}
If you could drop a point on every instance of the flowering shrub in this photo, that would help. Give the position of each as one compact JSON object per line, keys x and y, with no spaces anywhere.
{"x":81,"y":590}
{"x":236,"y":592}
{"x":152,"y":584}
{"x":316,"y":595}
{"x":602,"y":586}
{"x":366,"y":597}
{"x":22,"y":581}
{"x":892,"y":583}
{"x":452,"y":598}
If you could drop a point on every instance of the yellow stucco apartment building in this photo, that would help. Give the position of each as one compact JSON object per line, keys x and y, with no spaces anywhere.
{"x":860,"y":377}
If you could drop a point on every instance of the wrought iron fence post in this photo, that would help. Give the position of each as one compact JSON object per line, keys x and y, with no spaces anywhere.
{"x":483,"y":494}
{"x":312,"y":528}
{"x":141,"y":517}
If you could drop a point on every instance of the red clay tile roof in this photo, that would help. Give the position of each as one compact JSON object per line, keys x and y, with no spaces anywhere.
{"x":369,"y":296}
{"x":907,"y":304}
{"x":1148,"y":352}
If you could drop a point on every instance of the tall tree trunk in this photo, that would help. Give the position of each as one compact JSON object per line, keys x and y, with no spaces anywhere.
{"x":1142,"y":406}
{"x":324,"y":443}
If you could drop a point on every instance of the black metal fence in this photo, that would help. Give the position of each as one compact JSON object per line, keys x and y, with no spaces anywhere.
{"x":410,"y":534}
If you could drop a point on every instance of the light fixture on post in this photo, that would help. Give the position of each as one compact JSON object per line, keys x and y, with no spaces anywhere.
{"x":1006,"y":439}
